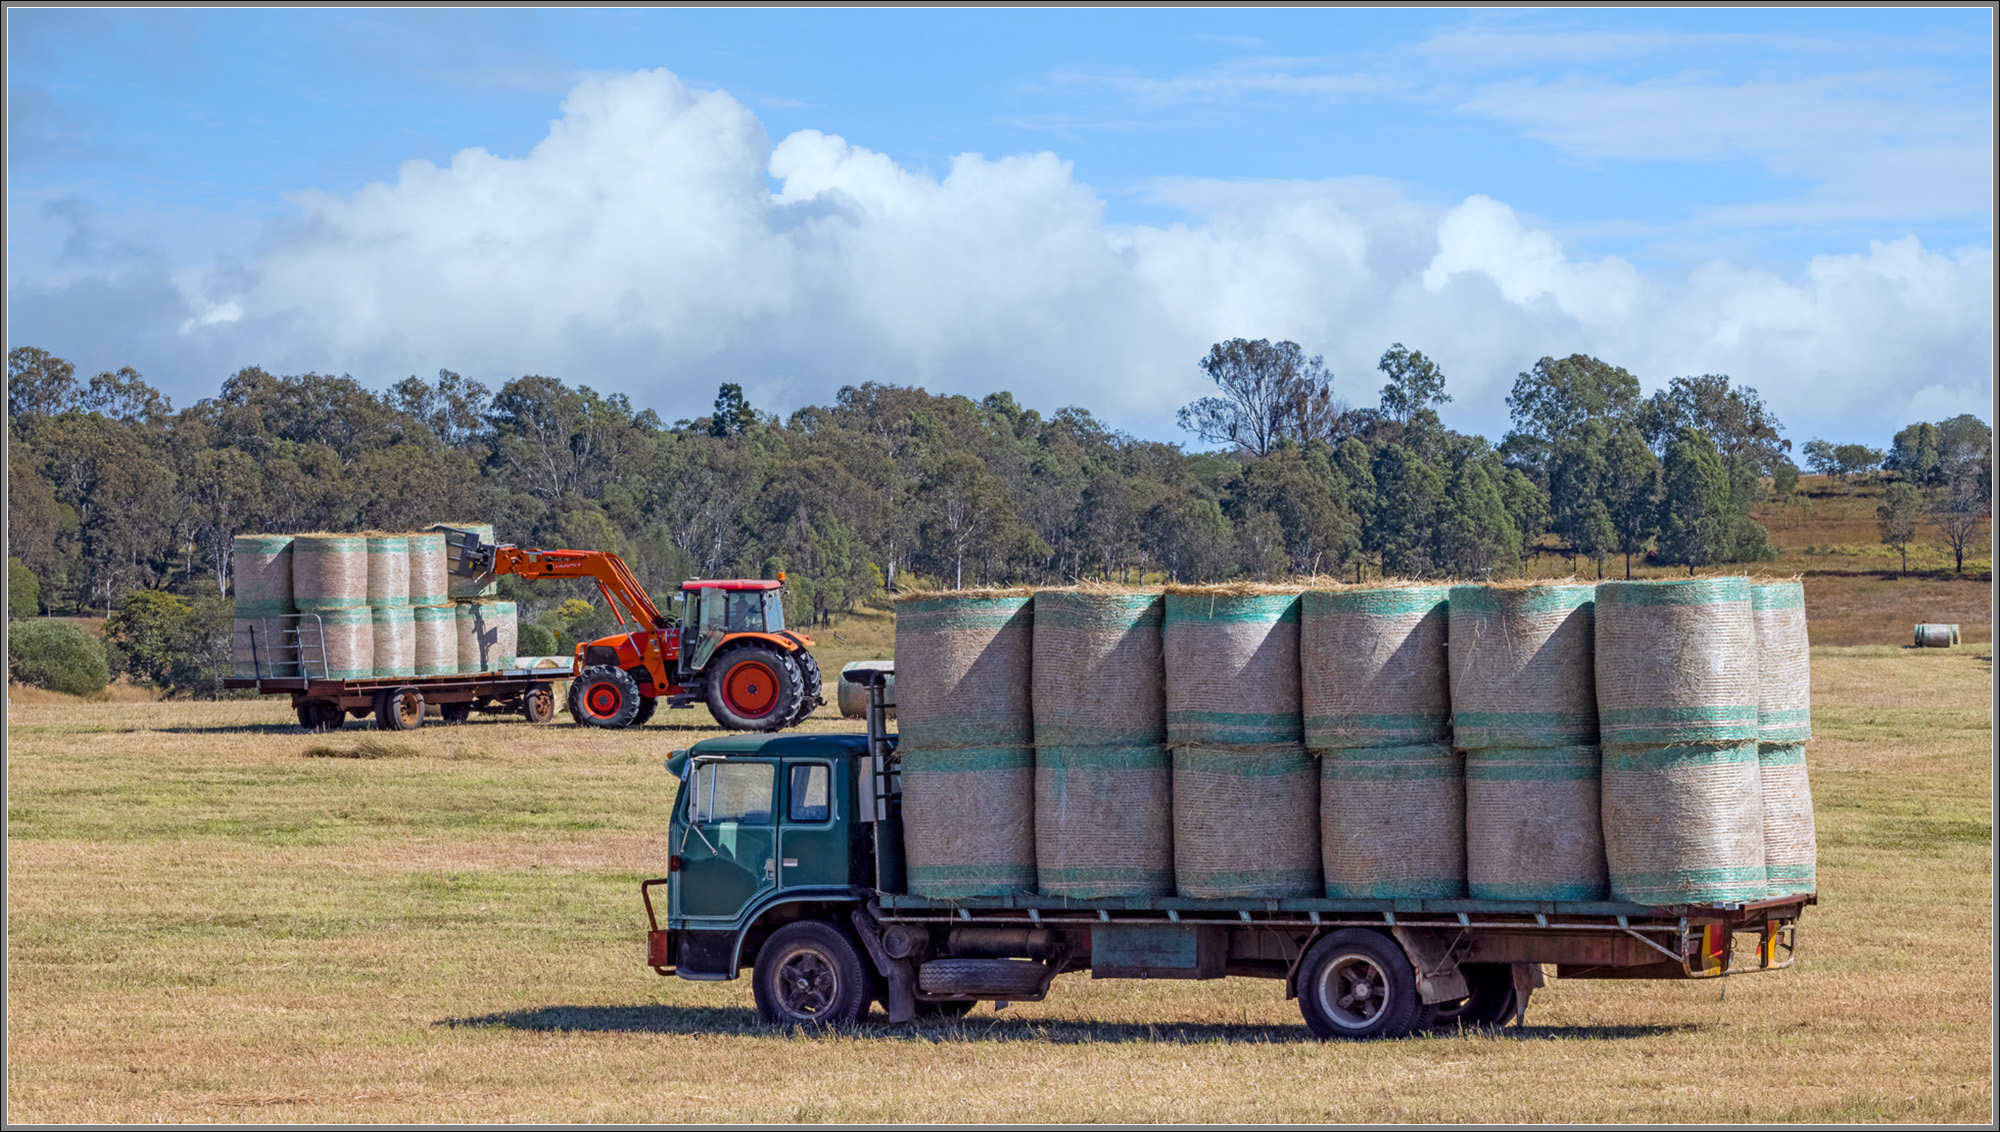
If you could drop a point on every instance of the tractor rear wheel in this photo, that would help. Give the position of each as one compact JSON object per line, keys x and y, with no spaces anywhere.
{"x":810,"y":693}
{"x":603,"y":696}
{"x":754,"y":687}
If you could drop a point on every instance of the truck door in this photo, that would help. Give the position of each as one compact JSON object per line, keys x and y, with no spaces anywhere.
{"x":814,"y":837}
{"x":728,"y":854}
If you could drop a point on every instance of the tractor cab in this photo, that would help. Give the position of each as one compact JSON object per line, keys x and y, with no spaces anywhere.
{"x":712,"y":611}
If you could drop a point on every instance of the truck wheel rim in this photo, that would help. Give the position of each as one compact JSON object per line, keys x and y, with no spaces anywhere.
{"x":1353,"y":991}
{"x":807,"y":985}
{"x":751,"y":688}
{"x":409,"y":709}
{"x":602,"y":700}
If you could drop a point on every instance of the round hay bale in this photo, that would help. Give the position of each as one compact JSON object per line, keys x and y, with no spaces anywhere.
{"x":434,"y":629}
{"x":1532,"y":830}
{"x":458,"y":585}
{"x":1373,"y":671}
{"x":1791,"y":848}
{"x":343,"y":640}
{"x":1246,"y":822}
{"x":1784,"y":662}
{"x":1930,"y":636}
{"x":264,"y":648}
{"x":260,"y":570}
{"x":1392,"y":822}
{"x":488,"y":635}
{"x":329,"y":572}
{"x":1232,"y":665}
{"x":968,"y":821}
{"x":1096,"y":670}
{"x":962,"y":659}
{"x":430,"y":575}
{"x":388,"y":571}
{"x":395,"y":641}
{"x":853,"y":698}
{"x":1684,"y":823}
{"x":1103,"y":820}
{"x":1520,"y":661}
{"x":1676,"y":662}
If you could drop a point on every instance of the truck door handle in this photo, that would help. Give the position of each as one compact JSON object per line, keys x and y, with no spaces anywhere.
{"x":770,"y":868}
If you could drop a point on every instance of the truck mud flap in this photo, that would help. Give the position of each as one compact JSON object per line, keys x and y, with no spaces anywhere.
{"x":705,"y":956}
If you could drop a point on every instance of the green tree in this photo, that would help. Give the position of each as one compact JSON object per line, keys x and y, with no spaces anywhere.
{"x":1960,"y":510}
{"x":1415,"y":386}
{"x":733,"y":414}
{"x":58,"y":656}
{"x":24,"y":590}
{"x":1476,"y":538}
{"x":1631,"y":492}
{"x":1694,"y":504}
{"x":1853,"y":459}
{"x":1913,"y":454}
{"x":1556,"y":398}
{"x":1408,"y":490}
{"x":1902,"y":505}
{"x":1269,"y":393}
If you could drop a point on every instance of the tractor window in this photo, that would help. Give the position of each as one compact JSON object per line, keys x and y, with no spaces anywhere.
{"x":774,"y":611}
{"x":738,"y":792}
{"x":809,"y":800}
{"x":711,"y":611}
{"x":746,"y":611}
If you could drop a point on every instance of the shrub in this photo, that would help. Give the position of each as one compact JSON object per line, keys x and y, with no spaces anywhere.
{"x":180,"y":647}
{"x":58,"y":656}
{"x":24,"y":591}
{"x":535,"y":641}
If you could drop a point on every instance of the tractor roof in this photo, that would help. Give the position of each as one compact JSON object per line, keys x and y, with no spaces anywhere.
{"x":731,"y":584}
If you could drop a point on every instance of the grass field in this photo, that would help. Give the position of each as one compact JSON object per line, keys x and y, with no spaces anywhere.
{"x":213,"y":917}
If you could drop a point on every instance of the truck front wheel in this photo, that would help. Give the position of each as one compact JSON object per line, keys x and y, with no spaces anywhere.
{"x":810,"y":974}
{"x":1358,"y":984}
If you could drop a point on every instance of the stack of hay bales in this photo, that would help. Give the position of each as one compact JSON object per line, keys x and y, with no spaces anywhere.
{"x":389,"y":604}
{"x":1524,"y":711}
{"x":263,"y":644}
{"x":1376,"y":697}
{"x":966,"y":729}
{"x":1677,"y":692}
{"x":1784,"y":724}
{"x":434,"y":620}
{"x":1103,"y":782}
{"x":1246,"y":793}
{"x":330,"y":589}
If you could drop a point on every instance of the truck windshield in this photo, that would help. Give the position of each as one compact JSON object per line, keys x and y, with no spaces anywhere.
{"x":738,"y":792}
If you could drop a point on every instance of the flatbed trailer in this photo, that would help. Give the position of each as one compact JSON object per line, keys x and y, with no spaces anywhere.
{"x":397,"y":703}
{"x":787,"y":860}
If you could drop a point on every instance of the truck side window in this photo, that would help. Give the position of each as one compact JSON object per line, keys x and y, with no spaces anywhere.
{"x":809,"y":793}
{"x":739,"y":792}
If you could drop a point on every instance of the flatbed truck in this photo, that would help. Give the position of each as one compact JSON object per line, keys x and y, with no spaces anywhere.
{"x":786,"y":860}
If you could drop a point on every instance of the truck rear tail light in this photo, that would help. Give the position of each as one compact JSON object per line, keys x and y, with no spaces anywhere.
{"x":674,"y":863}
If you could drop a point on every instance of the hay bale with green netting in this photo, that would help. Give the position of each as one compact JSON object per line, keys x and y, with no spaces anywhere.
{"x":430,"y":571}
{"x":1532,"y":829}
{"x":1684,"y":823}
{"x":1373,"y":666}
{"x":388,"y":570}
{"x":261,"y":640}
{"x":968,"y":820}
{"x":1676,"y":662}
{"x":1232,"y":665}
{"x":1520,"y":661}
{"x":434,"y":629}
{"x":1934,"y":636}
{"x":395,"y":641}
{"x":460,"y":585}
{"x":345,"y":640}
{"x":487,"y":635}
{"x":1096,"y":668}
{"x":1784,"y":662}
{"x":1104,"y":821}
{"x":1392,"y":822}
{"x":1791,"y":844}
{"x":1246,"y":822}
{"x":329,"y":572}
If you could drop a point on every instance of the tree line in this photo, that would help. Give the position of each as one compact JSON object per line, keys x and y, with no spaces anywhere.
{"x":114,"y":492}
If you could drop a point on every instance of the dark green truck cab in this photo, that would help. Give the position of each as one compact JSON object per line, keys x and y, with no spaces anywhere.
{"x":786,"y":860}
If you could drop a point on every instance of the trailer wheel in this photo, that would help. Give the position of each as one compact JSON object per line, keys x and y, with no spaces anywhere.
{"x":1491,"y":1002}
{"x":399,"y":709}
{"x":753,"y":688}
{"x":647,"y":706}
{"x":538,"y":704}
{"x":809,"y":974}
{"x":455,"y":713}
{"x":604,"y":696}
{"x":321,"y":715}
{"x":1357,"y":984}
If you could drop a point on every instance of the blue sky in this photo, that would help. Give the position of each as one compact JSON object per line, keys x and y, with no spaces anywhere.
{"x":783,"y":198}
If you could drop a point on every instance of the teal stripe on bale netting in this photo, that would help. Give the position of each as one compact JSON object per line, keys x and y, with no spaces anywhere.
{"x":1234,"y":729}
{"x":1516,"y":728}
{"x":1263,"y":609}
{"x":968,"y":821}
{"x":1731,"y":723}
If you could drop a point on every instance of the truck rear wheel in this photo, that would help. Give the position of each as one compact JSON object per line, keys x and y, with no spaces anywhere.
{"x":1491,"y":1002}
{"x":603,"y":696}
{"x":810,"y":974}
{"x":753,"y":688}
{"x":1358,"y":984}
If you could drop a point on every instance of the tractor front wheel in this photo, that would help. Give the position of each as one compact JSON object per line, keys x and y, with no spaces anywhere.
{"x":603,"y":696}
{"x":754,"y":688}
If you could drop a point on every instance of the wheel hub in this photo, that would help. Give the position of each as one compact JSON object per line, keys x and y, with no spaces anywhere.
{"x":602,"y":700}
{"x":807,"y":985}
{"x":1354,"y":991}
{"x":752,"y":688}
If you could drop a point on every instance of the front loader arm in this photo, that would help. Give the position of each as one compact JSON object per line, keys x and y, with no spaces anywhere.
{"x":626,"y":597}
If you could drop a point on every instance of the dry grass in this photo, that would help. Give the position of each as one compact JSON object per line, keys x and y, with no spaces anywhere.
{"x":205,"y":926}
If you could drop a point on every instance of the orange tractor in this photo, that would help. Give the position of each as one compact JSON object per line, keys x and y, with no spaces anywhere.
{"x":728,"y":648}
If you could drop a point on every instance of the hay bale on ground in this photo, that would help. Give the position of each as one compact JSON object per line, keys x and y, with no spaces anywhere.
{"x":1520,"y":660}
{"x":1532,"y":830}
{"x":1791,"y":846}
{"x":1676,"y":662}
{"x":395,"y":641}
{"x":388,"y":571}
{"x":434,"y":629}
{"x":430,"y":574}
{"x":1373,"y":666}
{"x":1232,"y":666}
{"x":853,"y":698}
{"x":1684,"y":823}
{"x":1392,"y":822}
{"x":1246,"y":822}
{"x":968,"y":821}
{"x":1104,"y":821}
{"x":1931,"y":636}
{"x":329,"y":572}
{"x":1096,"y":669}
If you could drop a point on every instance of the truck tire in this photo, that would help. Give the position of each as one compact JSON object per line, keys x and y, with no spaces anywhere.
{"x":753,"y":687}
{"x":647,"y":706}
{"x":1491,"y":1002}
{"x":604,"y":696}
{"x":811,"y":694}
{"x":399,"y":709}
{"x":810,"y":974}
{"x":321,"y":715}
{"x":538,"y":704}
{"x":986,"y":978}
{"x":1358,"y":984}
